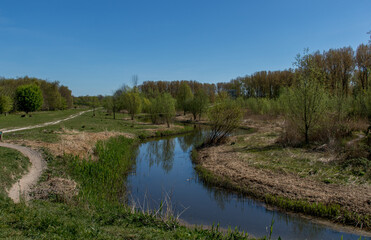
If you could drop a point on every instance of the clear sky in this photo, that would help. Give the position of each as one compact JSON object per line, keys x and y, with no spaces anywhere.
{"x":94,"y":47}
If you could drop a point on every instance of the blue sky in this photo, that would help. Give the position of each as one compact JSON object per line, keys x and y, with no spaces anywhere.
{"x":95,"y":47}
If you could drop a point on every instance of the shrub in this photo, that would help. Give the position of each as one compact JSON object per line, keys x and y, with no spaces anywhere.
{"x":224,"y":117}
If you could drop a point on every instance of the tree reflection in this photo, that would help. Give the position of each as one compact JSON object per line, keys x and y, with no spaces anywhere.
{"x":161,"y":153}
{"x":192,"y":139}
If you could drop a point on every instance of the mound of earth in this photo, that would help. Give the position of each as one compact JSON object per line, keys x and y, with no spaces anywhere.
{"x":59,"y":189}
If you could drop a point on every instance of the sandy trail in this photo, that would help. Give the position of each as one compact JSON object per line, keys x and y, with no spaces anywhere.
{"x":23,"y":186}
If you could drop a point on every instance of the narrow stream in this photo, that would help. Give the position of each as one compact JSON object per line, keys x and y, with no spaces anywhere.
{"x":164,"y":170}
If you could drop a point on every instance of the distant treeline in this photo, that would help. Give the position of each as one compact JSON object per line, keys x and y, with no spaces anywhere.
{"x":152,"y":89}
{"x":345,"y":72}
{"x":55,"y":96}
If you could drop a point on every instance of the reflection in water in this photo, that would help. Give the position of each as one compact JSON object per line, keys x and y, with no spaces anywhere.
{"x":160,"y":153}
{"x":163,"y":167}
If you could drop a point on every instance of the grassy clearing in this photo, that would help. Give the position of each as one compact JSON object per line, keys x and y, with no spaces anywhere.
{"x":99,"y":123}
{"x":12,"y":166}
{"x":96,"y":213}
{"x":260,"y":150}
{"x":15,"y":120}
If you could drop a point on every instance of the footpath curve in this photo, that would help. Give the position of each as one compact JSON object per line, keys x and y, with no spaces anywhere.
{"x":22,"y":187}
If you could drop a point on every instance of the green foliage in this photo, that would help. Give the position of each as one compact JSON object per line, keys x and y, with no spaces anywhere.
{"x":361,"y":105}
{"x":198,"y":105}
{"x":166,"y":107}
{"x":224,"y":116}
{"x":264,"y":106}
{"x":162,"y":108}
{"x":104,"y":179}
{"x":54,"y":96}
{"x":6,"y":104}
{"x":29,"y":98}
{"x":146,"y":105}
{"x":132,"y":102}
{"x":306,"y":102}
{"x":184,"y":96}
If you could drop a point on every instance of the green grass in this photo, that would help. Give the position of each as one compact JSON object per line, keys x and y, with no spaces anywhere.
{"x":86,"y":122}
{"x":261,"y":151}
{"x":305,"y":164}
{"x":12,"y":165}
{"x":15,"y":120}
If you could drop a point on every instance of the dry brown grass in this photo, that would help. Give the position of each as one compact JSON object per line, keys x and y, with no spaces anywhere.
{"x":74,"y":142}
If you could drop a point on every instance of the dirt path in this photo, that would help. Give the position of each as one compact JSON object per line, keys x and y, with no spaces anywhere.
{"x":23,"y":186}
{"x":45,"y":124}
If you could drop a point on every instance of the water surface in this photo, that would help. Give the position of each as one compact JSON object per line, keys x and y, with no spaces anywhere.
{"x":164,"y":170}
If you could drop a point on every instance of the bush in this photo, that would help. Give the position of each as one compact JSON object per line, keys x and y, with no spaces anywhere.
{"x":225,"y":116}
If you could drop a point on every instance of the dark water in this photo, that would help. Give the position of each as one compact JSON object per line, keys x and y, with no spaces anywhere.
{"x":164,"y":170}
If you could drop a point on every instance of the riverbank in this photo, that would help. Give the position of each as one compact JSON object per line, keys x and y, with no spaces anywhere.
{"x":297,"y":180}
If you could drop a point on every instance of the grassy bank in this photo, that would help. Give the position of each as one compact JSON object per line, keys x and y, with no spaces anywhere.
{"x":332,"y":212}
{"x":12,"y":166}
{"x":97,"y":211}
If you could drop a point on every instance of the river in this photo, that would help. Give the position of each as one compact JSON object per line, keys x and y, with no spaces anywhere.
{"x":164,"y":172}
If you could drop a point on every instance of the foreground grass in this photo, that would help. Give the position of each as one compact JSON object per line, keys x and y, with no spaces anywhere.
{"x":97,"y":212}
{"x":12,"y":166}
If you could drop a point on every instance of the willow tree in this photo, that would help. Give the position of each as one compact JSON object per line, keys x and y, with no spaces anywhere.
{"x":184,"y":96}
{"x":132,"y":103}
{"x":166,"y":105}
{"x":224,"y":117}
{"x":306,"y":101}
{"x":198,"y":105}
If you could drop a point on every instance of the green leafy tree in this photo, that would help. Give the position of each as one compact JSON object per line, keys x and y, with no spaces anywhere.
{"x":224,"y":116}
{"x":29,"y":98}
{"x":198,"y":105}
{"x":6,"y":104}
{"x":306,"y":101}
{"x":132,"y":102}
{"x":167,"y":107}
{"x":184,"y":97}
{"x":162,"y":108}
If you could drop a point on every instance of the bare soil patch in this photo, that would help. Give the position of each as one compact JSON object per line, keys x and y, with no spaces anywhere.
{"x":59,"y":189}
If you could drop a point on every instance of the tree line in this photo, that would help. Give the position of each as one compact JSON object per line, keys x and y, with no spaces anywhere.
{"x":46,"y":95}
